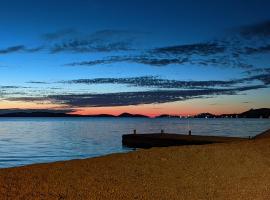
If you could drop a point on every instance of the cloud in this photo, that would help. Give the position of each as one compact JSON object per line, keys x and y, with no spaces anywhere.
{"x":12,"y":87}
{"x":164,"y":56}
{"x":257,"y":50}
{"x":125,"y":98}
{"x":133,"y":98}
{"x":258,"y":71}
{"x":9,"y":87}
{"x":19,"y":48}
{"x":14,"y":110}
{"x":158,"y":61}
{"x":256,"y":30}
{"x":69,"y":40}
{"x":132,"y":59}
{"x":81,"y":46}
{"x":156,"y":82}
{"x":265,"y":78}
{"x":199,"y":54}
{"x":208,"y":48}
{"x":224,"y":52}
{"x":38,"y":82}
{"x":59,"y":34}
{"x":33,"y":50}
{"x":99,"y":41}
{"x":12,"y":49}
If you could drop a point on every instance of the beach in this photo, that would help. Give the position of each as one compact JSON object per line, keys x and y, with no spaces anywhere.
{"x":237,"y":170}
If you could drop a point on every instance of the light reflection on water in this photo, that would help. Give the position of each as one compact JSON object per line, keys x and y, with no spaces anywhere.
{"x":35,"y":140}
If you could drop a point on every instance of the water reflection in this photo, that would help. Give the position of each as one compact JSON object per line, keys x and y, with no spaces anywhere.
{"x":33,"y":140}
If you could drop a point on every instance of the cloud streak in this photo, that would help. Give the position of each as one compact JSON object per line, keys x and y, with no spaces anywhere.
{"x":99,"y":41}
{"x":19,"y":48}
{"x":134,"y":98}
{"x":265,"y":70}
{"x":208,"y":48}
{"x":265,"y":78}
{"x":82,"y":46}
{"x":180,"y":54}
{"x":231,"y":51}
{"x":256,"y":30}
{"x":132,"y":59}
{"x":69,"y":40}
{"x":257,"y":50}
{"x":202,"y":54}
{"x":60,"y":34}
{"x":38,"y":82}
{"x":155,"y":82}
{"x":15,"y":110}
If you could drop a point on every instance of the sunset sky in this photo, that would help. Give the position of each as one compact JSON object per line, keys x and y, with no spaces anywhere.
{"x":142,"y":56}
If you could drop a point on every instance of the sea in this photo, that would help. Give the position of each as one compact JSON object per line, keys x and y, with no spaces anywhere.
{"x":25,"y":141}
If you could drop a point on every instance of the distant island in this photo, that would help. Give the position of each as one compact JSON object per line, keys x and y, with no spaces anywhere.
{"x":252,"y":113}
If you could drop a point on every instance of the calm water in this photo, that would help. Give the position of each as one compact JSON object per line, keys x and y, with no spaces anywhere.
{"x":36,"y":140}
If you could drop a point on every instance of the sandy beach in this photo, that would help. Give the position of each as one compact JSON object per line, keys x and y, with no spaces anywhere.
{"x":238,"y":170}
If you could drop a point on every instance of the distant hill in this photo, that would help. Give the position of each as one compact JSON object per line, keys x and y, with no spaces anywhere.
{"x":205,"y":115}
{"x":132,"y":115}
{"x":256,"y":113}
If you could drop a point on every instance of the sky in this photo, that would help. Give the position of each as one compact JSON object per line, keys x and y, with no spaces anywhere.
{"x":149,"y":57}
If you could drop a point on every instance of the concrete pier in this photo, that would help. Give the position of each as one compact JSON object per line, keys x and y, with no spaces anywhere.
{"x":168,"y":139}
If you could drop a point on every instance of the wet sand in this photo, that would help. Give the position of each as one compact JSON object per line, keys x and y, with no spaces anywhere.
{"x":238,"y":170}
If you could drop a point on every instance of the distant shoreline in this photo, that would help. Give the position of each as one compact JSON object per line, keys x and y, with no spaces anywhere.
{"x":252,"y":113}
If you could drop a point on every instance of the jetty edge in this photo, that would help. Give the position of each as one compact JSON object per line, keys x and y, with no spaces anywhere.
{"x":265,"y":134}
{"x":148,"y":140}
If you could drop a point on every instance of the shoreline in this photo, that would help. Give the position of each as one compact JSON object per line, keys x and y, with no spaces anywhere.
{"x":237,"y":170}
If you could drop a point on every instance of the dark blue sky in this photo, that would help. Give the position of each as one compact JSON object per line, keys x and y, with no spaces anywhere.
{"x":176,"y":21}
{"x":163,"y":56}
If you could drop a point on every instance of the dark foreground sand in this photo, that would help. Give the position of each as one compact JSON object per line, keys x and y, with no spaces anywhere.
{"x":219,"y":171}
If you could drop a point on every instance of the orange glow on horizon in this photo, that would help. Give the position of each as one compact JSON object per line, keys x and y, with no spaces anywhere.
{"x":155,"y":110}
{"x":183,"y":108}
